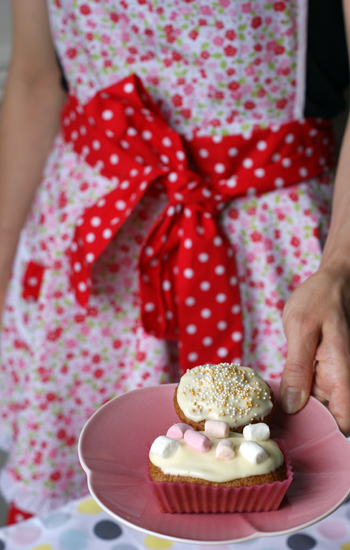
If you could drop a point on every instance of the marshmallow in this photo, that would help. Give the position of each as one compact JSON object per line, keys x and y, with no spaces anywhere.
{"x":225,"y":450}
{"x":253,"y":452}
{"x":164,"y":447}
{"x":177,"y":431}
{"x":197,"y":441}
{"x":217,"y":429}
{"x":256,"y":432}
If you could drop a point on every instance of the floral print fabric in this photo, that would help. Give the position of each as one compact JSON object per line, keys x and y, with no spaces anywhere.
{"x":214,"y":68}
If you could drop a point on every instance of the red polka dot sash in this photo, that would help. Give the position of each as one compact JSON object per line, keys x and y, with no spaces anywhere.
{"x":188,"y":280}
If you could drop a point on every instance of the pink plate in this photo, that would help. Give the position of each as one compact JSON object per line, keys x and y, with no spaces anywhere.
{"x":112,"y":452}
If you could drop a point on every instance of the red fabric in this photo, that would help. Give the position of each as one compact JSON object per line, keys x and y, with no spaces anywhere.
{"x":125,"y":136}
{"x":32,"y":281}
{"x":15,"y":515}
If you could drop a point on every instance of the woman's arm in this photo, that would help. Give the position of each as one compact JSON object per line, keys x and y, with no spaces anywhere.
{"x":29,"y":121}
{"x":316,"y":318}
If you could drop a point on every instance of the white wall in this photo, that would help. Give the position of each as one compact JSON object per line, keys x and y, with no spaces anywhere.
{"x":5,"y":40}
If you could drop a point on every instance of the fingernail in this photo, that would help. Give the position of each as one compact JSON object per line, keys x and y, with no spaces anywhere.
{"x":291,"y":400}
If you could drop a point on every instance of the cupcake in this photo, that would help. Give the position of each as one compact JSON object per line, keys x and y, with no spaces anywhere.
{"x":229,"y":392}
{"x":191,"y":471}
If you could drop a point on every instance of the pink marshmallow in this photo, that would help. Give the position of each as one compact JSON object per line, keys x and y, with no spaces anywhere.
{"x":177,"y":431}
{"x":217,"y":429}
{"x":225,"y":450}
{"x":197,"y":441}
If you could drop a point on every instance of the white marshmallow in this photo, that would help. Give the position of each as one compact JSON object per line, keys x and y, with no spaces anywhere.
{"x":256,"y":432}
{"x":164,"y":446}
{"x":217,"y":429}
{"x":253,"y":452}
{"x":225,"y":450}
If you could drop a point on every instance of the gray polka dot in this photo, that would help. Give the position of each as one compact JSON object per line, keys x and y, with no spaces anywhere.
{"x":301,"y":542}
{"x":107,"y":530}
{"x":55,"y":520}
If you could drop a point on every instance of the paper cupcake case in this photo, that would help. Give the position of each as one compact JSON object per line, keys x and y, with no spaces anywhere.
{"x":181,"y":498}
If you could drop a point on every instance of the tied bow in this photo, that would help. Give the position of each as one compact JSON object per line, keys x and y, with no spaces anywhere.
{"x":188,"y":279}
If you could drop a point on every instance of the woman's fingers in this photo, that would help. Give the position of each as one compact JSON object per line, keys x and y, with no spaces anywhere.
{"x":303,"y":337}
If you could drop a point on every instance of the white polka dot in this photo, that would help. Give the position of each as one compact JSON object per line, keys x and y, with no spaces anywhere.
{"x":90,"y":257}
{"x":309,"y":151}
{"x":33,"y":281}
{"x":83,"y":130}
{"x":203,"y":153}
{"x":74,"y":247}
{"x":166,"y":285}
{"x":247,"y":163}
{"x":205,"y":285}
{"x":114,"y":159}
{"x":222,"y":352}
{"x":303,"y":172}
{"x":169,"y":315}
{"x":217,"y":241}
{"x":279,"y":182}
{"x":187,"y":212}
{"x":222,"y":325}
{"x":124,"y":144}
{"x":107,"y":114}
{"x":74,"y":135}
{"x":190,"y":301}
{"x":188,"y":243}
{"x":233,"y":152}
{"x":115,"y":221}
{"x":172,"y":177}
{"x":109,"y":133}
{"x":143,"y":185}
{"x":251,"y":191}
{"x":219,"y":270}
{"x":207,"y":341}
{"x":188,"y":273}
{"x":149,"y":251}
{"x":191,"y":329}
{"x":231,"y":182}
{"x":91,"y":121}
{"x":217,"y":139}
{"x":203,"y":257}
{"x":101,"y":203}
{"x":131,"y":131}
{"x":147,"y":135}
{"x":180,"y":155}
{"x":149,"y":307}
{"x":193,"y":356}
{"x":221,"y":298}
{"x":313,"y":132}
{"x":167,"y":142}
{"x":128,"y":88}
{"x":286,"y":162}
{"x":219,"y":168}
{"x":178,"y":196}
{"x":171,"y":210}
{"x":125,"y":184}
{"x":206,"y":192}
{"x":120,"y":205}
{"x":236,"y":336}
{"x":77,"y":267}
{"x":289,"y":138}
{"x":276,"y":157}
{"x":129,"y":111}
{"x":259,"y":172}
{"x":107,"y":233}
{"x":90,"y":237}
{"x":233,"y":281}
{"x":206,"y":313}
{"x":85,"y":150}
{"x":164,"y":159}
{"x":261,"y":145}
{"x":96,"y":145}
{"x":82,"y":286}
{"x":200,"y":230}
{"x":236,"y":309}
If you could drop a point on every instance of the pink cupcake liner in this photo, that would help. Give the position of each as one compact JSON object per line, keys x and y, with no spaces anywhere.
{"x":181,"y":498}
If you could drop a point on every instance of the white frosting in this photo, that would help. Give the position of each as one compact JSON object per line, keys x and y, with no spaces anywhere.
{"x":226,"y":392}
{"x":190,"y":463}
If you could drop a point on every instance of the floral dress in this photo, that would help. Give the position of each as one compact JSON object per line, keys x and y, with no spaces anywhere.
{"x":214,"y":68}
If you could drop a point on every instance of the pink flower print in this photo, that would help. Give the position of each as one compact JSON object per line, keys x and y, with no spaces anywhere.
{"x":246,"y":7}
{"x":205,"y":10}
{"x":188,"y":89}
{"x":105,"y":39}
{"x":249,"y":71}
{"x":218,"y":40}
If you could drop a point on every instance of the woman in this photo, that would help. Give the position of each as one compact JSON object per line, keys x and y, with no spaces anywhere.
{"x":78,"y":326}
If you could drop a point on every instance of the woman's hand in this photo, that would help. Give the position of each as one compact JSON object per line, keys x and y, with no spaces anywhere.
{"x":316,"y":323}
